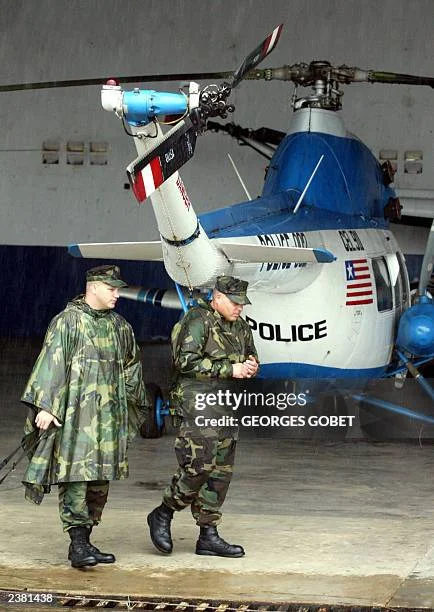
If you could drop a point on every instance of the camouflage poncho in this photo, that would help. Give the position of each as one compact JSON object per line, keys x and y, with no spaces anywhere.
{"x":89,"y":376}
{"x":204,"y":347}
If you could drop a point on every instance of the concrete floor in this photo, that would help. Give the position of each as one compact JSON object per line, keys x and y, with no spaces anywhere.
{"x":346,"y":523}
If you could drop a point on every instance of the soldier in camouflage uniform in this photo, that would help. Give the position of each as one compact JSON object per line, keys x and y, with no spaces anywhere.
{"x":211,"y":345}
{"x":87,"y":400}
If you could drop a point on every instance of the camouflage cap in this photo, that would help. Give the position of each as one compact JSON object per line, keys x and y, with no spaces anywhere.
{"x":106,"y":274}
{"x":234,"y":288}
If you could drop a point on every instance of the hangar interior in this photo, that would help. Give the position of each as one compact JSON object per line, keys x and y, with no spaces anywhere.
{"x":335,"y":522}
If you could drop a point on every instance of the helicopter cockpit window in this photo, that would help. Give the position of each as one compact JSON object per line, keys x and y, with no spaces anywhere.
{"x":382,"y":284}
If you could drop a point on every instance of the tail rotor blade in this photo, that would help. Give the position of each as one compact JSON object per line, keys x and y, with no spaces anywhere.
{"x":256,"y":56}
{"x":148,"y":172}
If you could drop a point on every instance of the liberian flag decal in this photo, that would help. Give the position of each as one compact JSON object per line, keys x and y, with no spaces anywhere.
{"x":359,"y":283}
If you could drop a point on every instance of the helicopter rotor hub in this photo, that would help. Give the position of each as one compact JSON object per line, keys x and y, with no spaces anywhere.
{"x":318,"y":75}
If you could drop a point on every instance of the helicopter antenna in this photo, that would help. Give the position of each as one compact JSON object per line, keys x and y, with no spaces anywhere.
{"x":243,"y":185}
{"x":297,"y":206}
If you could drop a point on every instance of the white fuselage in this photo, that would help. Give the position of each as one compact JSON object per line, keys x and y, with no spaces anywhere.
{"x":314,"y":314}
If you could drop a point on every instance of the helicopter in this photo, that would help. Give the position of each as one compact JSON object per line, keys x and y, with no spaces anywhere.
{"x":327,"y":280}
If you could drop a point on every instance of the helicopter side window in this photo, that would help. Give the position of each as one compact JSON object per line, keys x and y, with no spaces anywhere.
{"x":382,"y":284}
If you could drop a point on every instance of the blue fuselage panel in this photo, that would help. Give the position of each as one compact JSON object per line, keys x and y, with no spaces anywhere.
{"x":347,"y":191}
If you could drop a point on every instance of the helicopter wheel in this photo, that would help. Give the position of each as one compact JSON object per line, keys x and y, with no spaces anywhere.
{"x":153,"y":426}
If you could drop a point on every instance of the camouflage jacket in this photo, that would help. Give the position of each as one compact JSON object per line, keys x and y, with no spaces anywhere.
{"x":204,"y":347}
{"x":89,"y":376}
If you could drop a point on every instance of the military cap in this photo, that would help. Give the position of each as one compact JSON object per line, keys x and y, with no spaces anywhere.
{"x":107,"y":274}
{"x":234,"y":288}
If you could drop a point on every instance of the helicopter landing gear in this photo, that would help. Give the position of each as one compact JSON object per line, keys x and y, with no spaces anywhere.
{"x":388,"y":413}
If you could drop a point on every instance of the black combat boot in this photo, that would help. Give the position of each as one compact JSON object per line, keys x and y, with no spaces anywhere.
{"x":210,"y":543}
{"x":101,"y":557}
{"x":79,"y":554}
{"x":159,"y":526}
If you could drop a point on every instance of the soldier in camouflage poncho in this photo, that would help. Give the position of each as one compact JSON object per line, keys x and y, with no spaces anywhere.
{"x":87,"y":395}
{"x":211,"y":346}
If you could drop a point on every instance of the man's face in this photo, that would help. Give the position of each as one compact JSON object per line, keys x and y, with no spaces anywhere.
{"x":228,"y":309}
{"x":104,"y":296}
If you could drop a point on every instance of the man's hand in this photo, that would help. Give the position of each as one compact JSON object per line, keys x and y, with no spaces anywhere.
{"x":247,"y":369}
{"x":44,"y":419}
{"x":253,"y":365}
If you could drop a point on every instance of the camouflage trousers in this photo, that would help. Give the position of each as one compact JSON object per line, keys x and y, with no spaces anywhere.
{"x":203,"y":477}
{"x":82,"y":503}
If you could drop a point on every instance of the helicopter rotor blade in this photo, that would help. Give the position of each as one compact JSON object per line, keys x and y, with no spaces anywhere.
{"x":257,"y":55}
{"x":147,"y":78}
{"x":249,"y":63}
{"x":427,"y":263}
{"x":399,"y":79}
{"x":301,"y":73}
{"x":307,"y":74}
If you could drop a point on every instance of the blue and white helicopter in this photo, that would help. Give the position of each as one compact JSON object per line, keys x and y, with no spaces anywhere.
{"x":328,"y":282}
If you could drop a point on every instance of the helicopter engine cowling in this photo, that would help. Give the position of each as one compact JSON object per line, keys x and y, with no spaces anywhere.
{"x":416,"y":328}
